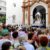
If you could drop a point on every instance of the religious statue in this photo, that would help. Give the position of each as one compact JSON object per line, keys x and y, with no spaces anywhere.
{"x":37,"y":19}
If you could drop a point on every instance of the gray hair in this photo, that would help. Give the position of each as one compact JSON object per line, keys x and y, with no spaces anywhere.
{"x":23,"y":38}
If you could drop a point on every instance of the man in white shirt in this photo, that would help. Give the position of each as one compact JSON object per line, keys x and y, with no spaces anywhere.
{"x":15,"y":39}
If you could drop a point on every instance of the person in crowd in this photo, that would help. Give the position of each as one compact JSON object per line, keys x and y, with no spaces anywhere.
{"x":32,"y":30}
{"x":5,"y":30}
{"x":48,"y":36}
{"x":25,"y":43}
{"x":39,"y":32}
{"x":11,"y":30}
{"x":1,"y":30}
{"x":47,"y":31}
{"x":21,"y":47}
{"x":21,"y":31}
{"x":43,"y":43}
{"x":24,"y":39}
{"x":35,"y":31}
{"x":15,"y":39}
{"x":5,"y":38}
{"x":31,"y":40}
{"x":6,"y":46}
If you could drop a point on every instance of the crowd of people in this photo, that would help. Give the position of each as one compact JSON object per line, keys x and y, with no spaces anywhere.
{"x":24,"y":38}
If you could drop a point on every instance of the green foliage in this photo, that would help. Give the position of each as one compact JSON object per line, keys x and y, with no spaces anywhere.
{"x":2,"y":19}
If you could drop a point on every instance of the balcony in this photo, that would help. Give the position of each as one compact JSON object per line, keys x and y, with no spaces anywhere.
{"x":2,"y":10}
{"x":3,"y":0}
{"x":2,"y":5}
{"x":3,"y":13}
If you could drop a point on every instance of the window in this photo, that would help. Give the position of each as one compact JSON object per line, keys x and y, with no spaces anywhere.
{"x":13,"y":17}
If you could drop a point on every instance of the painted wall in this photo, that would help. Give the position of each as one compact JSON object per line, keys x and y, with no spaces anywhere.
{"x":11,"y":10}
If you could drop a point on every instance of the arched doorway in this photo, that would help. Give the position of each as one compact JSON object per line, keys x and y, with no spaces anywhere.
{"x":39,"y":16}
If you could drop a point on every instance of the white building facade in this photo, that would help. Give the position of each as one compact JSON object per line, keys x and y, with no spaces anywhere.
{"x":14,"y":12}
{"x":3,"y":7}
{"x":2,"y":11}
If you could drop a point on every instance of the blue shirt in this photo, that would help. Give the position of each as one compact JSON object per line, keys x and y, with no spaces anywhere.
{"x":28,"y":46}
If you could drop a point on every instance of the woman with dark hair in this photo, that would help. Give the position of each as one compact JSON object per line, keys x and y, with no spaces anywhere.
{"x":43,"y":43}
{"x":15,"y":39}
{"x":32,"y":40}
{"x":6,"y":46}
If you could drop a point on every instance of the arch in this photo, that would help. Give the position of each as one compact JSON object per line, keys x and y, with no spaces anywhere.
{"x":44,"y":5}
{"x":37,"y":9}
{"x":41,"y":12}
